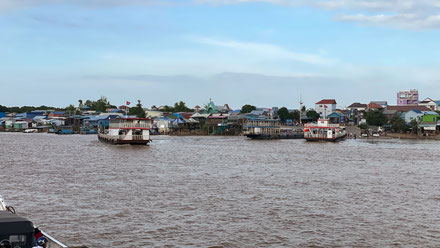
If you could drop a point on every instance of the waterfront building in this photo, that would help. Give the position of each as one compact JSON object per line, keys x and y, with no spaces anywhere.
{"x":153,"y":114}
{"x":408,"y":108}
{"x":431,"y":104}
{"x":408,"y":97}
{"x":430,"y":122}
{"x":413,"y":115}
{"x":337,"y":118}
{"x":211,"y":108}
{"x":384,"y":104}
{"x":54,"y":114}
{"x":357,"y":106}
{"x":325,"y":107}
{"x":355,"y":112}
{"x":374,"y":106}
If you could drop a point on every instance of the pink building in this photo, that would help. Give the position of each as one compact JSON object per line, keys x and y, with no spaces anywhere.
{"x":408,"y":97}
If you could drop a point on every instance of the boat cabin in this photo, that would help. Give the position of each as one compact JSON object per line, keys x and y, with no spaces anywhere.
{"x":18,"y":230}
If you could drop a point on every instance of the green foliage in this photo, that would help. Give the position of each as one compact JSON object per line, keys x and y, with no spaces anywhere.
{"x":247,"y":108}
{"x":283,"y":114}
{"x":294,"y":115}
{"x":312,"y":114}
{"x":100,"y":105}
{"x":70,"y":109}
{"x":138,"y":110}
{"x":414,"y":126}
{"x":4,"y":108}
{"x":375,"y":118}
{"x":180,"y":107}
{"x":24,"y":109}
{"x":363,"y":126}
{"x":398,"y":124}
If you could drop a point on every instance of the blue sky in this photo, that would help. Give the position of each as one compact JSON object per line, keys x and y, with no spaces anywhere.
{"x":266,"y":52}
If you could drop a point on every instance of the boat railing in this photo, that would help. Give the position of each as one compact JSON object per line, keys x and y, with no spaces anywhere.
{"x":122,"y":137}
{"x":53,"y":243}
{"x":130,"y":125}
{"x":321,"y":136}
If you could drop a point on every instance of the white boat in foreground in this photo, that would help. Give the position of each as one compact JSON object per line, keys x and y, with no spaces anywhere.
{"x":19,"y":231}
{"x":323,"y":130}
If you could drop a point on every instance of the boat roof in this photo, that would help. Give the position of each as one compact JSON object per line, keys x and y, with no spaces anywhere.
{"x":14,"y":224}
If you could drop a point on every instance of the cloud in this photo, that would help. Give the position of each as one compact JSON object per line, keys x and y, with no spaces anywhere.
{"x":9,"y":5}
{"x":267,"y":51}
{"x":406,"y":14}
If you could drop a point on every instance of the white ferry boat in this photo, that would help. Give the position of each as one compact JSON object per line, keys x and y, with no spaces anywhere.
{"x":134,"y":131}
{"x":323,"y":130}
{"x":19,"y":232}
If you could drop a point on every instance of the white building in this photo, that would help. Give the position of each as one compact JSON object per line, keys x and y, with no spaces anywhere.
{"x":431,"y":104}
{"x":325,"y":107}
{"x":413,"y":115}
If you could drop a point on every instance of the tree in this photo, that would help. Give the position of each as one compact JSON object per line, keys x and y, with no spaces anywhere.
{"x":398,"y":124}
{"x":70,"y":109}
{"x":303,"y":109}
{"x":247,"y":109}
{"x":283,"y":114}
{"x":312,"y":114}
{"x":4,"y":108}
{"x":138,"y":110}
{"x":363,"y":126}
{"x":180,"y":107}
{"x":375,"y":118}
{"x":414,"y":126}
{"x":294,"y":115}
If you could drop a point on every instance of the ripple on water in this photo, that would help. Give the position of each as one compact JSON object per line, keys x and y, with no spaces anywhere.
{"x":225,"y":191}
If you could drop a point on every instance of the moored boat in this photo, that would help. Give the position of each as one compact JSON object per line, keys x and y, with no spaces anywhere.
{"x":324,"y":130}
{"x":270,"y":129}
{"x":134,"y":131}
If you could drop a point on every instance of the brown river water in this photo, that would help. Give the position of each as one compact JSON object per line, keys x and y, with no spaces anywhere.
{"x":225,"y":191}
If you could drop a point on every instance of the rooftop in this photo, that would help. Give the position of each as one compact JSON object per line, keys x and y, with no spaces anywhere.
{"x":327,"y":101}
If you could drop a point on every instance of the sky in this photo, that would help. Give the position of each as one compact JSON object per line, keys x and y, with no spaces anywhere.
{"x":261,"y":52}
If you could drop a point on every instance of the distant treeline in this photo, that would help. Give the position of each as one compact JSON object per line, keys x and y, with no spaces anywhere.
{"x":100,"y":105}
{"x":24,"y":109}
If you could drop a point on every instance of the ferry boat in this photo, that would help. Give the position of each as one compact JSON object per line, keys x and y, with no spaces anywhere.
{"x":270,"y":129}
{"x":323,"y":130}
{"x":134,"y":131}
{"x":18,"y":232}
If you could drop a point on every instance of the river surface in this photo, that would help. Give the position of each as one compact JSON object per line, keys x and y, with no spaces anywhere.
{"x":225,"y":191}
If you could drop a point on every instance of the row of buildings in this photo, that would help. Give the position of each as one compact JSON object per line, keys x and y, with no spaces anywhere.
{"x":221,"y":119}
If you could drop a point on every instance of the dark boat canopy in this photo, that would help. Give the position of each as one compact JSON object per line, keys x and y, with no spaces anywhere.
{"x":13,"y":224}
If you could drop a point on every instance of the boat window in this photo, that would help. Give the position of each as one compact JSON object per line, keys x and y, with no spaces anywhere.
{"x":17,"y":240}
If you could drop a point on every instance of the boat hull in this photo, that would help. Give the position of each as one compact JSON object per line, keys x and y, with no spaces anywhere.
{"x":268,"y":136}
{"x":326,"y":139}
{"x":123,"y":142}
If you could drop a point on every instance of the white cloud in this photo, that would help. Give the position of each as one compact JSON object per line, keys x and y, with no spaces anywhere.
{"x":267,"y":51}
{"x":408,"y":14}
{"x":8,"y":5}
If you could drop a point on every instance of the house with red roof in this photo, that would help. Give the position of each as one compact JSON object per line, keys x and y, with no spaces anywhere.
{"x":374,"y":106}
{"x":325,"y":107}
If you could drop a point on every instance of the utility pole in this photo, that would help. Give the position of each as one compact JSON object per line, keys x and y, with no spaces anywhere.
{"x":300,"y":108}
